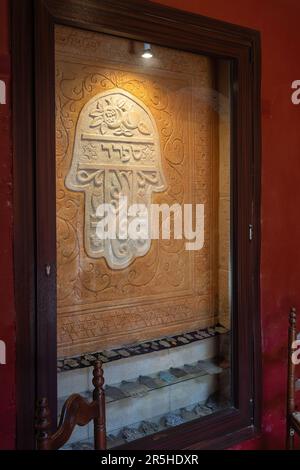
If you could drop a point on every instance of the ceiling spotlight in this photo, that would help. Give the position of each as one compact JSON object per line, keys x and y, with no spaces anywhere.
{"x":147,"y":53}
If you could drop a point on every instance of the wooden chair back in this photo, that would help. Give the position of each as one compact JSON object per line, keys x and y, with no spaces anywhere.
{"x":292,"y":336}
{"x":76,"y":411}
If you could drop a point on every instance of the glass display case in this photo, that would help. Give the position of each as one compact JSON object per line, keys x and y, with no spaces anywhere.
{"x":143,"y":221}
{"x":156,"y":311}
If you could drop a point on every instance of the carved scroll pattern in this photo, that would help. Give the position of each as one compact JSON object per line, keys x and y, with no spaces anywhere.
{"x":168,"y":290}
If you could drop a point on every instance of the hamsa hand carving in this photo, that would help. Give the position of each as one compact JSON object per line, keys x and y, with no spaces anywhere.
{"x":116,"y":154}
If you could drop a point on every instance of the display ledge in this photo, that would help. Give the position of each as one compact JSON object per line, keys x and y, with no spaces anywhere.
{"x":157,"y":424}
{"x":146,"y":347}
{"x":143,"y":385}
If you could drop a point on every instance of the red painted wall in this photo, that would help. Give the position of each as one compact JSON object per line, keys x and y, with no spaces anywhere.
{"x":279,"y":23}
{"x":7,"y":313}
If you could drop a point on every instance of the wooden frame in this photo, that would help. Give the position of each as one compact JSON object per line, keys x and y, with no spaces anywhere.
{"x":34,"y":184}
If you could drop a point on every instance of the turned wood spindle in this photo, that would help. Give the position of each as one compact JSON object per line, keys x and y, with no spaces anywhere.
{"x":43,"y":424}
{"x":99,"y":397}
{"x":291,"y":378}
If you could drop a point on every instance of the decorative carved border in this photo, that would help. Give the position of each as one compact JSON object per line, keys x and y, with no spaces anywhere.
{"x":165,"y":343}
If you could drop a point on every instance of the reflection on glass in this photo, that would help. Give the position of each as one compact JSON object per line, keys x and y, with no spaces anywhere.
{"x":155,"y":309}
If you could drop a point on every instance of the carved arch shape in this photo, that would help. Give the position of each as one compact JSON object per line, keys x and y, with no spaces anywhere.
{"x":116,"y":160}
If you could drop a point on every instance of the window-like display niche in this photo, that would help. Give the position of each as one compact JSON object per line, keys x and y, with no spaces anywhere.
{"x":157,"y":314}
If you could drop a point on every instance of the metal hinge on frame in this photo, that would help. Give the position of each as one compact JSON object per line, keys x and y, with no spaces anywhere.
{"x":250,"y":232}
{"x":48,"y":270}
{"x":251,"y":406}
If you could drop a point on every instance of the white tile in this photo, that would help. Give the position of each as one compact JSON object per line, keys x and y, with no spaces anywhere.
{"x":130,"y":411}
{"x":147,"y":364}
{"x":133,"y":410}
{"x":192,"y":391}
{"x":80,"y":433}
{"x":73,"y":381}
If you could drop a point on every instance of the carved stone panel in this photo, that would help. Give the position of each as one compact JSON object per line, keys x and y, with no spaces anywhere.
{"x":148,"y":130}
